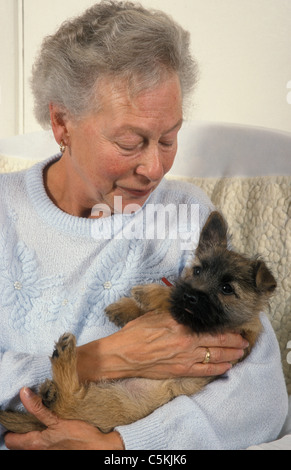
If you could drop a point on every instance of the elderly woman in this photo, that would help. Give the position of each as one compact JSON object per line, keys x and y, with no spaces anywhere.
{"x":112,"y":84}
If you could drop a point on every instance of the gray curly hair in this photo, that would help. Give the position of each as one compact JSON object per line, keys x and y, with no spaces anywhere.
{"x":111,"y":40}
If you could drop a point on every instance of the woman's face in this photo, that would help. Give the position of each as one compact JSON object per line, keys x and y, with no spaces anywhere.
{"x":127,"y":147}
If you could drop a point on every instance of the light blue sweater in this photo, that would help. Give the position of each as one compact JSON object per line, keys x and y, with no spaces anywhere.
{"x":57,"y":274}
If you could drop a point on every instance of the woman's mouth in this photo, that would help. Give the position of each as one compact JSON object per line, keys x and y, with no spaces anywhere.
{"x":136,"y":193}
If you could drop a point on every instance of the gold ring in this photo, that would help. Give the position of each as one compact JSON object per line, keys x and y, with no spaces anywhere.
{"x":207,"y":356}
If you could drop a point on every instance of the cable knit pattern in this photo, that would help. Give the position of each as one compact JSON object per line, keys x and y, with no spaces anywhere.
{"x":57,"y":275}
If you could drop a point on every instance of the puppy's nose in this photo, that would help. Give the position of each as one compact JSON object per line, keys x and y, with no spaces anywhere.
{"x":190,"y":298}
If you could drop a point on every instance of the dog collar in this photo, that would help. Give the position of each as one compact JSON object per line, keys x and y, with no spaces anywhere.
{"x":165,"y":281}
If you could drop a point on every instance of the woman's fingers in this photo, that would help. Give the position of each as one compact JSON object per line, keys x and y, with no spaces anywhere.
{"x":34,"y":405}
{"x":61,"y":434}
{"x":220,"y":355}
{"x":225,"y":340}
{"x":209,"y":370}
{"x":31,"y":440}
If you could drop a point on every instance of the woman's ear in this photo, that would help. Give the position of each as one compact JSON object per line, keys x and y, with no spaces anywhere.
{"x":58,"y":121}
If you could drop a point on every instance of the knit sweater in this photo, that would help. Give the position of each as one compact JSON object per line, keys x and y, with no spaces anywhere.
{"x":58,"y":273}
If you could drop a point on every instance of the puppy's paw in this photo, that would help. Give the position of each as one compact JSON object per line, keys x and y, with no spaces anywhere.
{"x":66,"y":346}
{"x":114,"y":313}
{"x":150,"y":296}
{"x":140,"y":295}
{"x":119,"y":312}
{"x":123,"y":311}
{"x":48,"y":393}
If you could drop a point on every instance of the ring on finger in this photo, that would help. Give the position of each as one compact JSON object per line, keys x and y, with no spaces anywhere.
{"x":207,"y":356}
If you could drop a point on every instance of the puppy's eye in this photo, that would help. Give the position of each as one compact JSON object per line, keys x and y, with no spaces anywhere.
{"x":197,"y":270}
{"x":227,"y":289}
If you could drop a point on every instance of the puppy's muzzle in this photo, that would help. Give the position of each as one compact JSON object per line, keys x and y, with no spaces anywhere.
{"x":196,"y":309}
{"x":190,"y":299}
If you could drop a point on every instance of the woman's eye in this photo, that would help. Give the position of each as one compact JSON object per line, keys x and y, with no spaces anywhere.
{"x":227,"y":289}
{"x":129,"y":149}
{"x":196,"y":270}
{"x":167,"y":144}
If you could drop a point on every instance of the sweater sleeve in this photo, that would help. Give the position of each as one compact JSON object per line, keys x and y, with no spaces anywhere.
{"x":253,"y":394}
{"x":18,"y":370}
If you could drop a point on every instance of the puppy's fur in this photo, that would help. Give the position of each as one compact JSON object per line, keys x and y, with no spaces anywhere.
{"x":222,"y":291}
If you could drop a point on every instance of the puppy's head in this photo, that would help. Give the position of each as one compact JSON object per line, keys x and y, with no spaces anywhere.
{"x":222,"y":289}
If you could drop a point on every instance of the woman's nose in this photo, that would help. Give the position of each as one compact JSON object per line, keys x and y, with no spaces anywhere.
{"x":151,"y":164}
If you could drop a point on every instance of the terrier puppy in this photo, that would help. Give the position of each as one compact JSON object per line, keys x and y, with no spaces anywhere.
{"x":222,"y":291}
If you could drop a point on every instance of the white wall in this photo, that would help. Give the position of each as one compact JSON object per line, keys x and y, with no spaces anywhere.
{"x":243,"y":48}
{"x":8,"y":68}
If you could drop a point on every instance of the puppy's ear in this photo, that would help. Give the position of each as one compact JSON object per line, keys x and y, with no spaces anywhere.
{"x":264,"y":279}
{"x":213,"y":233}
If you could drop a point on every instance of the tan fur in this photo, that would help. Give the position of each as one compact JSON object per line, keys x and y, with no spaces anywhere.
{"x":109,"y":404}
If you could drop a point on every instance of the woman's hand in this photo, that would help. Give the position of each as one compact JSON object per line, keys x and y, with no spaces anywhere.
{"x":60,"y":434}
{"x":156,"y":346}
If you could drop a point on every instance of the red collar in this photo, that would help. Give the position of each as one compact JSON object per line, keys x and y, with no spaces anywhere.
{"x":168,"y":283}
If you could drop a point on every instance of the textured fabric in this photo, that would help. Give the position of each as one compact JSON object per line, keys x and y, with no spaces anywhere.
{"x":57,"y":275}
{"x":11,"y":164}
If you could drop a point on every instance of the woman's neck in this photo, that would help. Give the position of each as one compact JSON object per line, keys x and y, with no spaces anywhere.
{"x":65,"y":189}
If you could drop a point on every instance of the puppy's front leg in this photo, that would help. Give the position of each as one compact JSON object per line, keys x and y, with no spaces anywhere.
{"x":144,"y":298}
{"x":123,"y":311}
{"x":62,"y":393}
{"x":151,"y":297}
